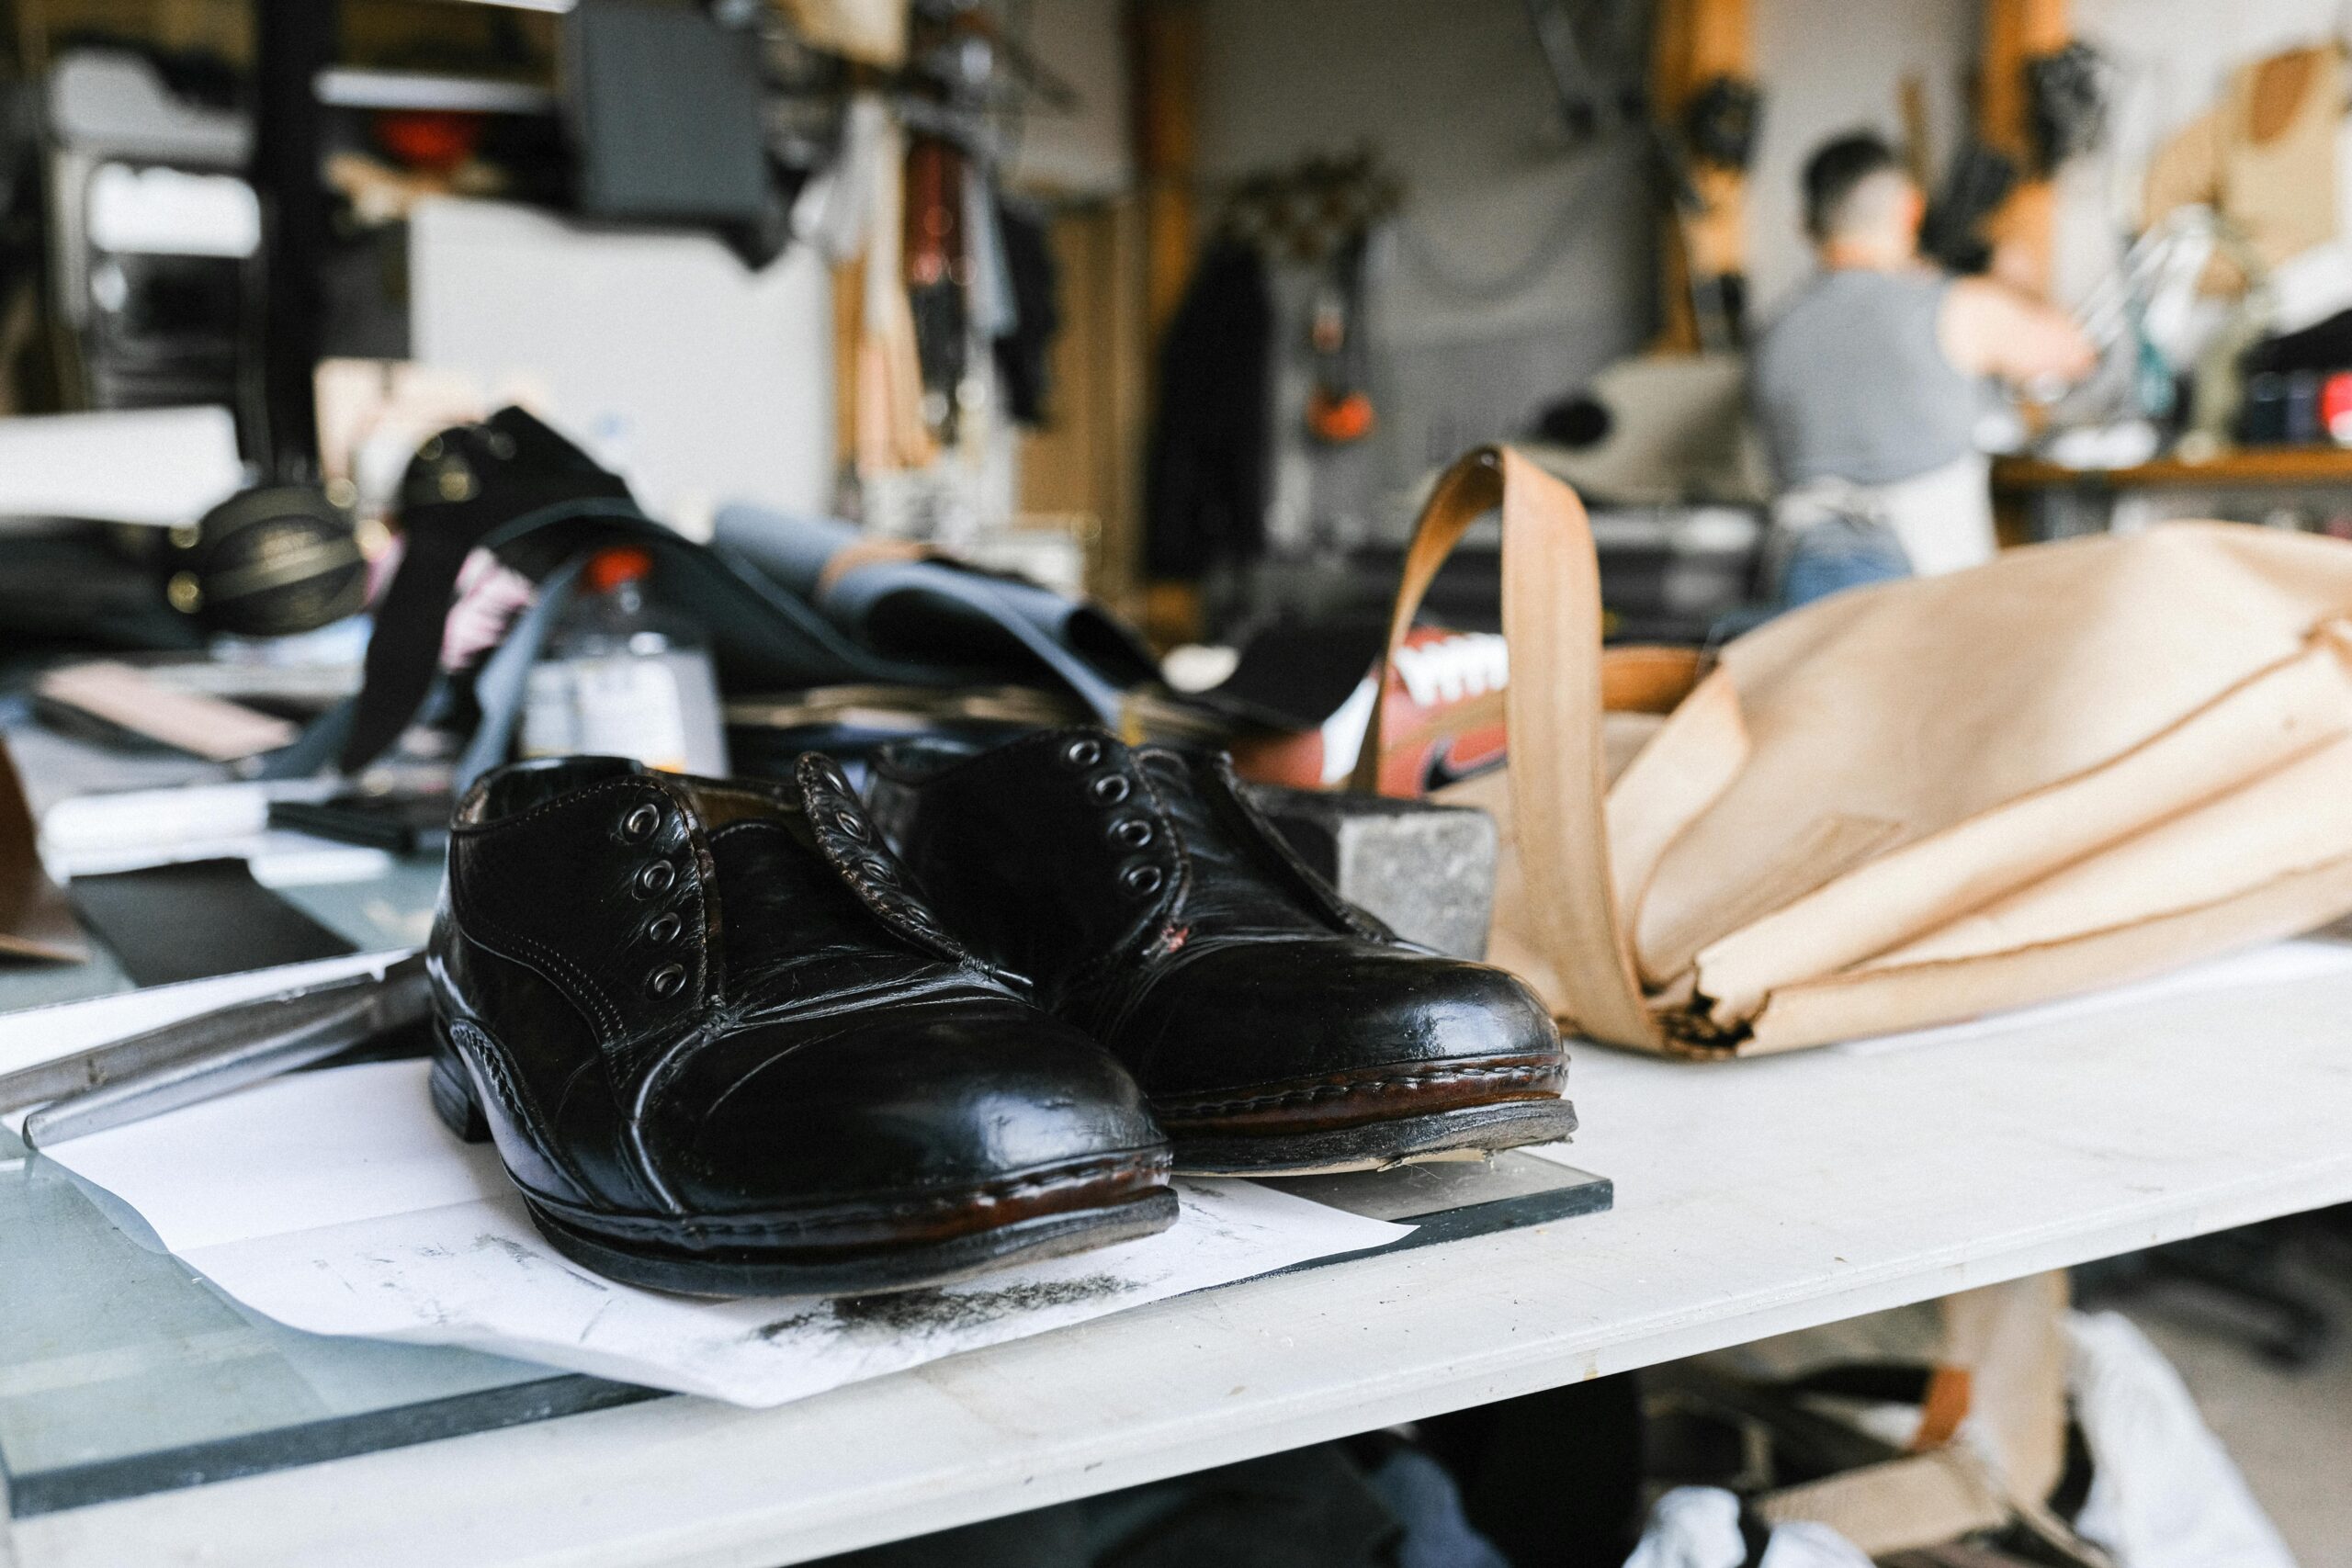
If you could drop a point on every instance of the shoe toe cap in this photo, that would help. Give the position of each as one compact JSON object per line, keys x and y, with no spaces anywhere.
{"x":924,"y":1100}
{"x":1270,"y":1012}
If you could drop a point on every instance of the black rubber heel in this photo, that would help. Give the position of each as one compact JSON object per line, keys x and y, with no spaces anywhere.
{"x":453,"y":1091}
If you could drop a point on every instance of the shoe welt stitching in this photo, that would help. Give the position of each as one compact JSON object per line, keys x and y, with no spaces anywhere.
{"x":1526,"y":1073}
{"x":997,"y":1192}
{"x":471,"y":916}
{"x":605,"y":1011}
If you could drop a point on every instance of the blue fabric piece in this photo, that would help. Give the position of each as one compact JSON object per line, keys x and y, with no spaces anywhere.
{"x":505,"y":678}
{"x":1422,"y":1494}
{"x":939,"y":611}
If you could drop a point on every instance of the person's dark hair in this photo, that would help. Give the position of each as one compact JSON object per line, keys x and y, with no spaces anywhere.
{"x":1834,"y":171}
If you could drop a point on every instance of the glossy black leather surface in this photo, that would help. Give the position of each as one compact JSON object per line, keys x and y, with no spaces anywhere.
{"x":689,"y":999}
{"x":1147,"y":902}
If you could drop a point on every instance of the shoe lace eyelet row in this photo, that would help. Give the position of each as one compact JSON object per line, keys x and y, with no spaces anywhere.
{"x":1141,"y":878}
{"x":653,"y":879}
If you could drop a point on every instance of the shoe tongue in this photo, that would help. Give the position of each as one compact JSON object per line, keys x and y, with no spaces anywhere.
{"x":779,"y":897}
{"x":1234,"y":877}
{"x":790,"y":928}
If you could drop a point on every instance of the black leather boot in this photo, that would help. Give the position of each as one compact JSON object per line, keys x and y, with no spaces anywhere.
{"x":1275,"y":1027}
{"x":724,"y":1048}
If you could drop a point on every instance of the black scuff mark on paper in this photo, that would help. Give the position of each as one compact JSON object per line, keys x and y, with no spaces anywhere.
{"x":515,"y":1252}
{"x":931,"y":1312}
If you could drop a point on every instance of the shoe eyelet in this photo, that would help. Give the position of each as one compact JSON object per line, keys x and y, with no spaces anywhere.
{"x":640,"y":824}
{"x":657,"y":879}
{"x":918,"y":917}
{"x":665,"y":981}
{"x":665,"y":929}
{"x":1132,"y":832}
{"x":1142,"y":880}
{"x":1109,"y":790}
{"x":1082,"y":754}
{"x":876,"y":869}
{"x":850,"y":823}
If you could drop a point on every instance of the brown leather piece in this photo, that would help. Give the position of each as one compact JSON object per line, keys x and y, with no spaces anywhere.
{"x":36,"y":922}
{"x":1639,"y":678}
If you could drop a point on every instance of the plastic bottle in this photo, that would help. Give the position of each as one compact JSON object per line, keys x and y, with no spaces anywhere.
{"x":619,"y":678}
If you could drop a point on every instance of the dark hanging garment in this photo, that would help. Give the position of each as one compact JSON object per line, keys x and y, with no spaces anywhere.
{"x":1022,"y":354}
{"x":1206,"y":471}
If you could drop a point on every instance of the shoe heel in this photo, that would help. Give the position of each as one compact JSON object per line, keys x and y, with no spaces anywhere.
{"x":453,"y":1091}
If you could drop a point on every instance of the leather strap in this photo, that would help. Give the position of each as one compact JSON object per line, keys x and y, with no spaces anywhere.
{"x":1558,"y":768}
{"x":501,"y":685}
{"x":1951,"y":1392}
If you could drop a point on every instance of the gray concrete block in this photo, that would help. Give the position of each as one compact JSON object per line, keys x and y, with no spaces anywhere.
{"x":1427,"y":871}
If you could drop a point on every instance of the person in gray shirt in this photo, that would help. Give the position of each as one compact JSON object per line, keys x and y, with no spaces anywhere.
{"x":1865,"y":386}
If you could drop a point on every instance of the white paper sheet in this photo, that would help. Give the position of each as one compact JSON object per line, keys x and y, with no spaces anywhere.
{"x":335,"y":1202}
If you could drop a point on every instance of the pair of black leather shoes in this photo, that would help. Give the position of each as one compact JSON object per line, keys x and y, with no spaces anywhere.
{"x":728,"y":1043}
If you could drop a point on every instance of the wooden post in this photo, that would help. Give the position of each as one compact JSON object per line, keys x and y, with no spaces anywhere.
{"x":1165,"y":36}
{"x":1167,"y":41}
{"x":2016,"y":31}
{"x":1696,"y":42}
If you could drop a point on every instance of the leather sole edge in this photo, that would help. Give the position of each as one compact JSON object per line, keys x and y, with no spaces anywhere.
{"x":915,"y":1266}
{"x":1469,"y":1131}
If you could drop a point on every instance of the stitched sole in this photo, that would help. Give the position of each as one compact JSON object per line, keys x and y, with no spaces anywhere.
{"x":752,"y":1271}
{"x":1470,"y":1132}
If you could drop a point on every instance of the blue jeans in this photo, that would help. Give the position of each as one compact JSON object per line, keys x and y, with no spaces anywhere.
{"x":1836,"y":554}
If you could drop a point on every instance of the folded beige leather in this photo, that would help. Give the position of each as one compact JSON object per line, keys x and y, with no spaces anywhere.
{"x":1912,"y":802}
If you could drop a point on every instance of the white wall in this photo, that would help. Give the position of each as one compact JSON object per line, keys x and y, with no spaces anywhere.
{"x":1455,"y":99}
{"x":701,"y":381}
{"x":1085,"y":150}
{"x":1457,"y":95}
{"x":1832,"y":66}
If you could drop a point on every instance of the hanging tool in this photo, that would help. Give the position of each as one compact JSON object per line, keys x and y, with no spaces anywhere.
{"x":1338,"y":408}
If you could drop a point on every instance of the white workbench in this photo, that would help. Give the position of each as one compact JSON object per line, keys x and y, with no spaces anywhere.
{"x":1752,"y":1199}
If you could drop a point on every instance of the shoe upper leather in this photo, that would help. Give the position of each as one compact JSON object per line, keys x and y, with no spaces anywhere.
{"x":1148,"y":901}
{"x":690,"y":997}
